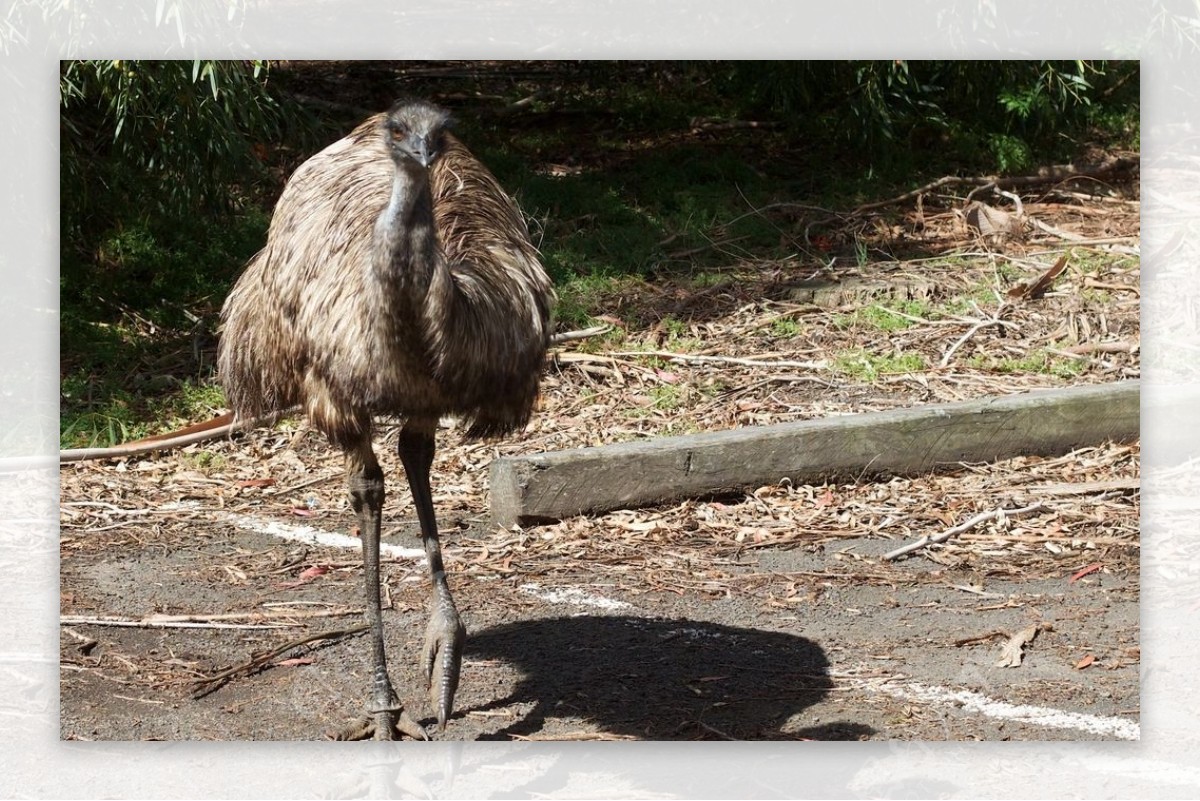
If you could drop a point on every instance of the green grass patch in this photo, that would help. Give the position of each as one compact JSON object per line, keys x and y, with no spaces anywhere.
{"x":964,"y":305}
{"x":580,"y":300}
{"x":204,"y":461}
{"x":1092,"y":262}
{"x":708,"y":279}
{"x":130,"y":317}
{"x":786,"y":327}
{"x":1039,"y":361}
{"x":679,"y":336}
{"x":867,"y":367}
{"x":676,"y":329}
{"x":666,"y":397}
{"x":101,"y":411}
{"x":880,"y":317}
{"x":662,"y":398}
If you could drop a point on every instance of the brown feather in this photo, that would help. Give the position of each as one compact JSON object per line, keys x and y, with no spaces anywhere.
{"x":311,"y":322}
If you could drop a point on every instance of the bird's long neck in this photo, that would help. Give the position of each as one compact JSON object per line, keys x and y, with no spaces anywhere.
{"x":405,"y":241}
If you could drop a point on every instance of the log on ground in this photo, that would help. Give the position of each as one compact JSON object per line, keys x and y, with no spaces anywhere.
{"x":552,"y":486}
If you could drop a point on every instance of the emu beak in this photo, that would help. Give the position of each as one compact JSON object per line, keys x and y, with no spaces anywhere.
{"x":424,"y":155}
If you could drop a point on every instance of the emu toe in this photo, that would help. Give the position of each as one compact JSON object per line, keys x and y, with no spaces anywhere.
{"x":385,"y":725}
{"x":444,"y":638}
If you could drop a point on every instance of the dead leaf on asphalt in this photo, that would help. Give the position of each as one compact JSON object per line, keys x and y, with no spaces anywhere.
{"x":1013,"y":650}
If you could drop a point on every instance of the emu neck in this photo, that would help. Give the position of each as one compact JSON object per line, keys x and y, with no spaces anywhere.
{"x":405,"y":244}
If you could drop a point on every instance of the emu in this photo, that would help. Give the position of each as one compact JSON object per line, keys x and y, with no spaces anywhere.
{"x":398,"y":280}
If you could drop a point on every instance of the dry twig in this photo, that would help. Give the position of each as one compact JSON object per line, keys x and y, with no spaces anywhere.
{"x":152,"y":623}
{"x":976,"y":327}
{"x":995,"y":514}
{"x":208,"y":684}
{"x":698,"y":359}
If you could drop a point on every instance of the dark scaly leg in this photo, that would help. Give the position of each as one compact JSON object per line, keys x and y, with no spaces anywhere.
{"x":445,"y":633}
{"x":364,"y":479}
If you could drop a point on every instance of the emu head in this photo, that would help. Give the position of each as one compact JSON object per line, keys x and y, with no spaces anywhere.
{"x":413,"y":131}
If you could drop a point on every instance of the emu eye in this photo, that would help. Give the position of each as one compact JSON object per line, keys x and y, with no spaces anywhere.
{"x":397,"y":130}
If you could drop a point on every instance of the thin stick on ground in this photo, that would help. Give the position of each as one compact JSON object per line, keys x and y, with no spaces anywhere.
{"x":978,"y":326}
{"x":573,"y":736}
{"x":983,"y":517}
{"x":150,"y":623}
{"x":208,"y":684}
{"x":698,"y":359}
{"x":221,"y":621}
{"x":1047,"y":175}
{"x":583,"y":333}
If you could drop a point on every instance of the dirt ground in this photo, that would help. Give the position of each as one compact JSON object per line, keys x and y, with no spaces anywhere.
{"x":766,"y":616}
{"x":573,"y":660}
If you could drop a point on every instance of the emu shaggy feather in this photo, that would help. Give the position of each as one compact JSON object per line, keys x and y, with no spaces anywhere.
{"x":310,"y":322}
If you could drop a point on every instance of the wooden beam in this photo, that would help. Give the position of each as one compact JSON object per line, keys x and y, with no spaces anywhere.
{"x":551,"y":486}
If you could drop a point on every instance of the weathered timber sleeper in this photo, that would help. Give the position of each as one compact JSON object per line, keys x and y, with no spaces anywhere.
{"x":555,"y":485}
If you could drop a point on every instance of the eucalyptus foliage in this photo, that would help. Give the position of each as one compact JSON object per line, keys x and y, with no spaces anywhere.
{"x":161,"y":139}
{"x":1012,"y":108}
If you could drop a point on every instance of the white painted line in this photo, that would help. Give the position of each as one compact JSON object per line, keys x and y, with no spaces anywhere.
{"x":572,"y":595}
{"x":316,"y":536}
{"x":1023,"y":713}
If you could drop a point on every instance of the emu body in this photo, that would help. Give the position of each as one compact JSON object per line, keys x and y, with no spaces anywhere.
{"x":398,"y":279}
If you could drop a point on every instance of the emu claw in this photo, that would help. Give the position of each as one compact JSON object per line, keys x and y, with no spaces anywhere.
{"x":444,"y":637}
{"x":366,"y":728}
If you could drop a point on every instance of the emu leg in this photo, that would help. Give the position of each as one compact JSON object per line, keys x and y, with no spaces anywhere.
{"x":364,"y":479}
{"x":445,"y":633}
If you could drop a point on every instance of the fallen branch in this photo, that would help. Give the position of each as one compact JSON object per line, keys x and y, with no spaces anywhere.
{"x":570,"y":736}
{"x":771,"y":206}
{"x":991,"y":635}
{"x":1088,"y":487}
{"x":1093,"y":283}
{"x":995,"y":514}
{"x":209,"y":684}
{"x":220,"y":426}
{"x":587,"y":362}
{"x":1054,"y":174}
{"x":1058,"y":232}
{"x":583,"y":333}
{"x":209,"y":621}
{"x":681,"y":254}
{"x":150,"y":623}
{"x":1125,"y":542}
{"x":976,"y":327}
{"x":1101,"y":347}
{"x":699,"y":125}
{"x":687,"y":357}
{"x":524,"y":103}
{"x":1049,"y":175}
{"x":975,"y":591}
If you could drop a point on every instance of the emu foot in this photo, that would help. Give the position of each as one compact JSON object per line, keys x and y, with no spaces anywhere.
{"x":384,"y":725}
{"x":444,"y":638}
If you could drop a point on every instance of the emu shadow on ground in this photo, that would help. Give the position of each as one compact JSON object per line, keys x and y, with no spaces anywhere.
{"x":661,"y":679}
